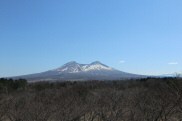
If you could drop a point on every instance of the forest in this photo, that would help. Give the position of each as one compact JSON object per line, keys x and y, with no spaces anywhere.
{"x":148,"y":99}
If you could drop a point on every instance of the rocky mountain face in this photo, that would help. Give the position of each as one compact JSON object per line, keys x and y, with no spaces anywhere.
{"x":74,"y":71}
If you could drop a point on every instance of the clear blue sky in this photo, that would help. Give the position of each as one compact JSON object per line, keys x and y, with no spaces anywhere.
{"x":39,"y":35}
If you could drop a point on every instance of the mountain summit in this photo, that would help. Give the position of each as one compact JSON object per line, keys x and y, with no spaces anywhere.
{"x":73,"y":67}
{"x":75,"y":71}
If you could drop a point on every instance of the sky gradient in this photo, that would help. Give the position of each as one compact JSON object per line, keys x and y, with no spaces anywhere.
{"x":141,"y":37}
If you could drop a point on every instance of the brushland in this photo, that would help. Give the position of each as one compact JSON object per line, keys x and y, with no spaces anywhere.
{"x":149,"y":99}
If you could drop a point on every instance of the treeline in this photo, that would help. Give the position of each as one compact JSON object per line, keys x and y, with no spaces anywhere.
{"x":9,"y":85}
{"x":149,"y":99}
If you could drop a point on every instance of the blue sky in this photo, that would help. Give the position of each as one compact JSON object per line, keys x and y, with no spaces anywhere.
{"x":39,"y":35}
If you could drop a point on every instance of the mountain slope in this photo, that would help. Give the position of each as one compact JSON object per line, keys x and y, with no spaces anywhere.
{"x":75,"y":71}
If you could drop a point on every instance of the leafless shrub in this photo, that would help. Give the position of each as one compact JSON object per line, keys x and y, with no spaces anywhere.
{"x":150,"y":99}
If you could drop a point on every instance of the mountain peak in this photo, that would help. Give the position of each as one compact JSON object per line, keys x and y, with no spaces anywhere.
{"x":72,"y":62}
{"x":96,"y":62}
{"x":74,"y":67}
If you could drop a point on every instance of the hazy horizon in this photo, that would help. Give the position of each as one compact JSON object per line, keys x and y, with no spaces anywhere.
{"x":140,"y":37}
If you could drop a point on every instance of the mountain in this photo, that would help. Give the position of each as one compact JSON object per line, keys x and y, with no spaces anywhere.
{"x":74,"y":71}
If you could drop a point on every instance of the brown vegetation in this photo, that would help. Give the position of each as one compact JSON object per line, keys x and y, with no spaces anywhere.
{"x":150,"y":99}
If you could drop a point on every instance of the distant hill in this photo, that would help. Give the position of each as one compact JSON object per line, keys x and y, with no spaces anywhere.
{"x":74,"y":71}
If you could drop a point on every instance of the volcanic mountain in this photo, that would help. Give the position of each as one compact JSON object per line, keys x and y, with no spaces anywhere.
{"x":74,"y":71}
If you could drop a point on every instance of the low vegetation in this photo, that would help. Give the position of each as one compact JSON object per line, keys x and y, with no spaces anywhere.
{"x":150,"y":99}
